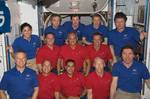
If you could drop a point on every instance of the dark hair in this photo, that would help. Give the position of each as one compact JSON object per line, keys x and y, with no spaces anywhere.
{"x":99,"y":34}
{"x":20,"y":51}
{"x":74,"y":15}
{"x":96,"y":15}
{"x":25,"y":25}
{"x":70,"y":60}
{"x":120,"y":15}
{"x":55,"y":15}
{"x":45,"y":35}
{"x":127,"y":47}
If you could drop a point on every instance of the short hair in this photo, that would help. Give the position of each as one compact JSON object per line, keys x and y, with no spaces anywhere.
{"x":127,"y":47}
{"x":96,"y":15}
{"x":74,"y":15}
{"x":70,"y":60}
{"x":45,"y":35}
{"x":46,"y":60}
{"x":73,"y":32}
{"x":120,"y":15}
{"x":55,"y":15}
{"x":20,"y":51}
{"x":25,"y":25}
{"x":98,"y":58}
{"x":99,"y":34}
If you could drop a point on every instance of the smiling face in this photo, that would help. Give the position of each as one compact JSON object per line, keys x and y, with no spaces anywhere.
{"x":27,"y":31}
{"x":70,"y":68}
{"x":120,"y":23}
{"x":96,"y":21}
{"x":46,"y":67}
{"x":75,"y":21}
{"x":99,"y":65}
{"x":49,"y":39}
{"x":20,"y":59}
{"x":72,"y":39}
{"x":55,"y":21}
{"x":127,"y":56}
{"x":97,"y":40}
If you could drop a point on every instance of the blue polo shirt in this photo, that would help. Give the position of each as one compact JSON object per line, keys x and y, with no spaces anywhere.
{"x":60,"y":34}
{"x":90,"y":30}
{"x":130,"y":36}
{"x":19,"y":85}
{"x":30,"y":47}
{"x":130,"y":79}
{"x":80,"y":30}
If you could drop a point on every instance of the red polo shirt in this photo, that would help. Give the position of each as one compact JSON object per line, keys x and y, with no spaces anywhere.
{"x":79,"y":54}
{"x":103,"y":52}
{"x":46,"y":53}
{"x":72,"y":86}
{"x":47,"y":86}
{"x":100,"y":85}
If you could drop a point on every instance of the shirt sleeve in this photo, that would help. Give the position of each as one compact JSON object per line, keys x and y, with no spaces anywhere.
{"x":15,"y":45}
{"x":145,"y":72}
{"x":88,"y":51}
{"x":82,"y":79}
{"x":110,"y":38}
{"x":39,"y":57}
{"x":35,"y":80}
{"x":85,"y":53}
{"x":105,"y":30}
{"x":38,"y":42}
{"x":61,"y":52}
{"x":109,"y":54}
{"x":4,"y":82}
{"x":88,"y":83}
{"x":46,"y":30}
{"x":115,"y":70}
{"x":65,"y":33}
{"x":57,"y":84}
{"x":85,"y":32}
{"x":136,"y":34}
{"x":64,"y":25}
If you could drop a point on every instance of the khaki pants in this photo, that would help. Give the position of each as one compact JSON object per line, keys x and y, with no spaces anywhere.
{"x":32,"y":64}
{"x":125,"y":95}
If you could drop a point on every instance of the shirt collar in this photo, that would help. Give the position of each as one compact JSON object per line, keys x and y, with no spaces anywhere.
{"x":19,"y":71}
{"x":122,"y":31}
{"x":26,"y":39}
{"x":130,"y":66}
